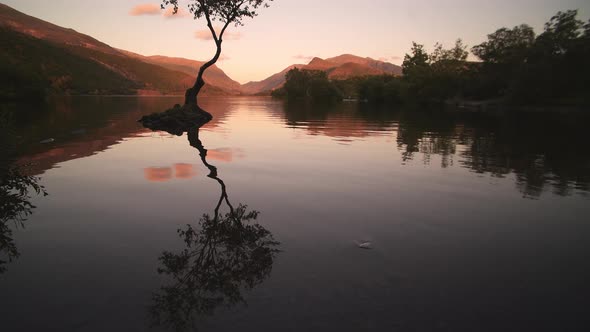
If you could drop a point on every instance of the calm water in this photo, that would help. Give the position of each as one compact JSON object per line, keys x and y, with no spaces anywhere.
{"x":476,"y":223}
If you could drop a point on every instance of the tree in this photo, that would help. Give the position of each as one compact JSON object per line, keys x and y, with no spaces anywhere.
{"x":309,"y":84}
{"x":561,"y":34}
{"x":506,"y":46}
{"x":418,"y":59}
{"x":457,"y":53}
{"x":225,"y":11}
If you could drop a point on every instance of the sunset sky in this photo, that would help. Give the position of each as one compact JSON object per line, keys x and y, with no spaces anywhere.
{"x":293,"y":31}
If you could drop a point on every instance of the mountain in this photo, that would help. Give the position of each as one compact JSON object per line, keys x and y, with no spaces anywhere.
{"x":213,"y":76}
{"x":268,"y":84}
{"x":38,"y":56}
{"x":29,"y":25}
{"x":339,"y":68}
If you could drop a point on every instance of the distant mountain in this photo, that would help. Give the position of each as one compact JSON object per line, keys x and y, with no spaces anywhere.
{"x":341,"y":67}
{"x":268,"y":84}
{"x":37,"y":56}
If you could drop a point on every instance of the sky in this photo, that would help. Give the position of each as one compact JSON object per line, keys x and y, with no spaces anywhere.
{"x":294,"y":31}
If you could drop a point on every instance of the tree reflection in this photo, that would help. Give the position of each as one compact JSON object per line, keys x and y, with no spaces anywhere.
{"x":15,"y":194}
{"x":224,"y":255}
{"x":540,"y":150}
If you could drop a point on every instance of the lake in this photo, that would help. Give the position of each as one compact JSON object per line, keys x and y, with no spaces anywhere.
{"x":369,"y":219}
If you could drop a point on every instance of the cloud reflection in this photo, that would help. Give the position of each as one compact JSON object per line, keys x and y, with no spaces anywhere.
{"x":158,"y":174}
{"x":184,"y":171}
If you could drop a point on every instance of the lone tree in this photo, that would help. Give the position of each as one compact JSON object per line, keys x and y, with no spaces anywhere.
{"x":225,"y":11}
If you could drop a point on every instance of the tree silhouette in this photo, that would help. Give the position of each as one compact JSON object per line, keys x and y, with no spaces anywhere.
{"x":227,"y":12}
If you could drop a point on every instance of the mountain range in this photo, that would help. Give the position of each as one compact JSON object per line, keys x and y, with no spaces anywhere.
{"x":38,"y":55}
{"x":341,"y":67}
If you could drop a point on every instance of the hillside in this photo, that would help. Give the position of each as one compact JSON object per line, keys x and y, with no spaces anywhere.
{"x":30,"y":67}
{"x":339,"y":68}
{"x":41,"y":57}
{"x":29,"y":25}
{"x":213,"y":76}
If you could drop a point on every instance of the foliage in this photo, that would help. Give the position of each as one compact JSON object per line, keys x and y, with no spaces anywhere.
{"x":551,"y":68}
{"x":506,"y":46}
{"x":382,"y":89}
{"x":225,"y":255}
{"x":436,"y":76}
{"x":309,"y":84}
{"x":226,"y":11}
{"x":416,"y":62}
{"x":516,"y":66}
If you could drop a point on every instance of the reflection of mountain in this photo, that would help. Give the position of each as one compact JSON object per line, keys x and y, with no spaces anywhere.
{"x":339,"y":121}
{"x":340,"y":67}
{"x":83,"y":126}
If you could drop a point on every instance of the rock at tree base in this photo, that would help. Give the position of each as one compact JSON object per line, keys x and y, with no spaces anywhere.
{"x":177,"y":120}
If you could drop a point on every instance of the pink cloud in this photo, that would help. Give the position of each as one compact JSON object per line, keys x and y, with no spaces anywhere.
{"x":205,"y":34}
{"x":145,"y":9}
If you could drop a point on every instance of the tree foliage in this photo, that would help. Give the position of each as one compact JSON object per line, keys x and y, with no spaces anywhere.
{"x":416,"y":61}
{"x":226,"y":11}
{"x":506,"y":46}
{"x":309,"y":84}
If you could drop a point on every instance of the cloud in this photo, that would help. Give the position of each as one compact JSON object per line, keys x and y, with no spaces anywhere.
{"x":205,"y":34}
{"x":145,"y":9}
{"x":306,"y":58}
{"x":181,"y":13}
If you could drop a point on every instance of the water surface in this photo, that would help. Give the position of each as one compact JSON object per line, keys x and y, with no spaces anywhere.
{"x":476,"y":222}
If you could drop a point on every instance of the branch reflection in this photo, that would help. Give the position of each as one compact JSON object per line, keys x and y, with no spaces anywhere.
{"x":16,"y":190}
{"x":223,"y":255}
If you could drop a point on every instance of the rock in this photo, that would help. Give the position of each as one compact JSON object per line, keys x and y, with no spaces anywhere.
{"x":364,"y":245}
{"x":177,"y":120}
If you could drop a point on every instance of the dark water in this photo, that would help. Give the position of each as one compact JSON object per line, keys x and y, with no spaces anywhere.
{"x":476,"y":223}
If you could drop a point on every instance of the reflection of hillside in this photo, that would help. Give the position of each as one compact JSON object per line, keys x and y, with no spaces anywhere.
{"x":540,"y":150}
{"x":83,"y":126}
{"x":339,"y":121}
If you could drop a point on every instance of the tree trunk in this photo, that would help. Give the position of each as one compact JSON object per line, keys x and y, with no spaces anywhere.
{"x":190,"y":97}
